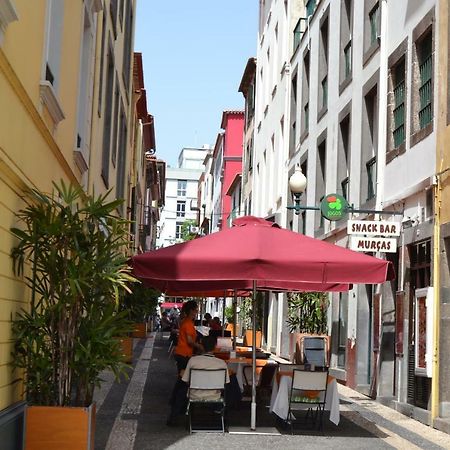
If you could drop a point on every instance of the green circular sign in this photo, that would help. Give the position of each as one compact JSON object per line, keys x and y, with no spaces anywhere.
{"x":333,"y":207}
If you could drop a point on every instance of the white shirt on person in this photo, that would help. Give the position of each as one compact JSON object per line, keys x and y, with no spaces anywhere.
{"x":206,"y":361}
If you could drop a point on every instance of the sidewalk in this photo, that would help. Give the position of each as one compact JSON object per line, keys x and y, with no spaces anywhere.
{"x":131,"y":415}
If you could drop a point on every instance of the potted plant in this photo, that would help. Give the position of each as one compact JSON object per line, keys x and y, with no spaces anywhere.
{"x":246,"y":315}
{"x":307,"y":316}
{"x":229,"y":316}
{"x":70,"y":252}
{"x":139,"y":303}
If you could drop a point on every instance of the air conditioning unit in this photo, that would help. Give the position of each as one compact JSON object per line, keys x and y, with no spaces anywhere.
{"x":194,"y":229}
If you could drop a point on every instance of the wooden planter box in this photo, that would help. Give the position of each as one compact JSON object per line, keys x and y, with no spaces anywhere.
{"x":230,"y":327}
{"x":140,"y":330}
{"x":249,"y":340}
{"x":126,"y":348}
{"x":57,"y":428}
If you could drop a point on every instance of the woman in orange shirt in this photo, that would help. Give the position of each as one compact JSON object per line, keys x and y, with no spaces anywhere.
{"x":187,"y":335}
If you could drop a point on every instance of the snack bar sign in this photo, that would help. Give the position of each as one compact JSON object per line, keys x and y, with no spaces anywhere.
{"x":361,"y":232}
{"x":382,"y":228}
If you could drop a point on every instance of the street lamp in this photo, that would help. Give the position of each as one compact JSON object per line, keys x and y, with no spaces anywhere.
{"x":297,"y":185}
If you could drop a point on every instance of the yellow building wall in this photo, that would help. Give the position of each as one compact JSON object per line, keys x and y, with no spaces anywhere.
{"x":31,"y":154}
{"x":443,"y":129}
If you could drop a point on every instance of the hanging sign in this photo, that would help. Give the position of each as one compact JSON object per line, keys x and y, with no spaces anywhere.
{"x":370,"y":244}
{"x":382,"y":228}
{"x":333,"y":207}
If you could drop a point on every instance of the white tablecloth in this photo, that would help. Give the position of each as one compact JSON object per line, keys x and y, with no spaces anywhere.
{"x":279,"y":401}
{"x":237,"y":365}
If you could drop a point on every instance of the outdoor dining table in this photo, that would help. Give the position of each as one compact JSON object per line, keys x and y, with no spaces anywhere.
{"x":237,"y":365}
{"x":279,"y":401}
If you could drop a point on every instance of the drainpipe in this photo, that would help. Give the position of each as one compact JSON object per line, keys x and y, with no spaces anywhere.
{"x":436,"y":299}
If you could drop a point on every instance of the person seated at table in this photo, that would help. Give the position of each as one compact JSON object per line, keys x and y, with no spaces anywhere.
{"x":215,"y":324}
{"x":166,"y":324}
{"x":207,"y":319}
{"x":205,"y":361}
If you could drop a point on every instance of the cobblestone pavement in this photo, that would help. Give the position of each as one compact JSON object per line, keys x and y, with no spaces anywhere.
{"x":132,"y":413}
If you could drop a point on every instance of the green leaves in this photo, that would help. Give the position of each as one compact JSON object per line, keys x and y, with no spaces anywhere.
{"x":71,"y":249}
{"x":139,"y":302}
{"x":307,"y":312}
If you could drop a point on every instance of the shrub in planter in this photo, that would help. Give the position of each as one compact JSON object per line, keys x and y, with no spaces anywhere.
{"x":307,"y":316}
{"x":71,"y":250}
{"x":138,"y":304}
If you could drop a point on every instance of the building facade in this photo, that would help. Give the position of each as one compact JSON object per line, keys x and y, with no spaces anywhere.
{"x":360,"y":104}
{"x":441,"y":387}
{"x":181,"y":195}
{"x":68,"y":113}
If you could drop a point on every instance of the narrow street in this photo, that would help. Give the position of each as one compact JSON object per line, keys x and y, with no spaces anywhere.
{"x":132,"y":415}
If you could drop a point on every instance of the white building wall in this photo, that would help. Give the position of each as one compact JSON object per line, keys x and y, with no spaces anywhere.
{"x":168,"y":223}
{"x":270,"y":153}
{"x":402,"y":182}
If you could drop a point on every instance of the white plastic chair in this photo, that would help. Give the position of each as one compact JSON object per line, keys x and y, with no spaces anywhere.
{"x":206,"y":380}
{"x":300,"y":399}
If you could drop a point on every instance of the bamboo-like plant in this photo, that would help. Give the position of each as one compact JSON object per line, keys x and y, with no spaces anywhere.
{"x":307,"y":312}
{"x":71,"y":247}
{"x":140,"y":302}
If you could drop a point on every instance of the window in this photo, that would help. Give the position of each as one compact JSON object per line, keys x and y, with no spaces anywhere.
{"x":345,"y":71}
{"x":305,"y":96}
{"x":310,"y":7}
{"x":306,"y":117}
{"x":113,"y":13}
{"x":115,"y":126}
{"x":348,"y":60}
{"x":178,"y":228}
{"x":399,"y":104}
{"x":181,"y":209}
{"x":55,"y":22}
{"x":422,"y":75}
{"x":84,"y":94}
{"x":108,"y":119}
{"x":323,"y":66}
{"x":181,"y":189}
{"x":320,"y":179}
{"x":325,"y":92}
{"x":128,"y":38}
{"x":343,"y":159}
{"x":122,"y":154}
{"x":371,"y":167}
{"x":369,"y":141}
{"x":424,"y":51}
{"x":102,"y":51}
{"x":371,"y":29}
{"x":344,"y":187}
{"x":374,"y":18}
{"x":292,"y":139}
{"x":298,"y":32}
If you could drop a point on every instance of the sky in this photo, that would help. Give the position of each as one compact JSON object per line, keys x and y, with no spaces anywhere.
{"x":194,"y":55}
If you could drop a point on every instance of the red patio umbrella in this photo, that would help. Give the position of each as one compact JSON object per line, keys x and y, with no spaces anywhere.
{"x":256,"y":250}
{"x":258,"y":254}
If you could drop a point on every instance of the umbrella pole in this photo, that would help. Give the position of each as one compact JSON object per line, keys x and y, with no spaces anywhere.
{"x":234,"y":319}
{"x":223,"y":316}
{"x":253,"y":406}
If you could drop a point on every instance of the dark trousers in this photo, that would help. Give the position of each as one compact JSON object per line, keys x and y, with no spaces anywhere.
{"x":181,"y":362}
